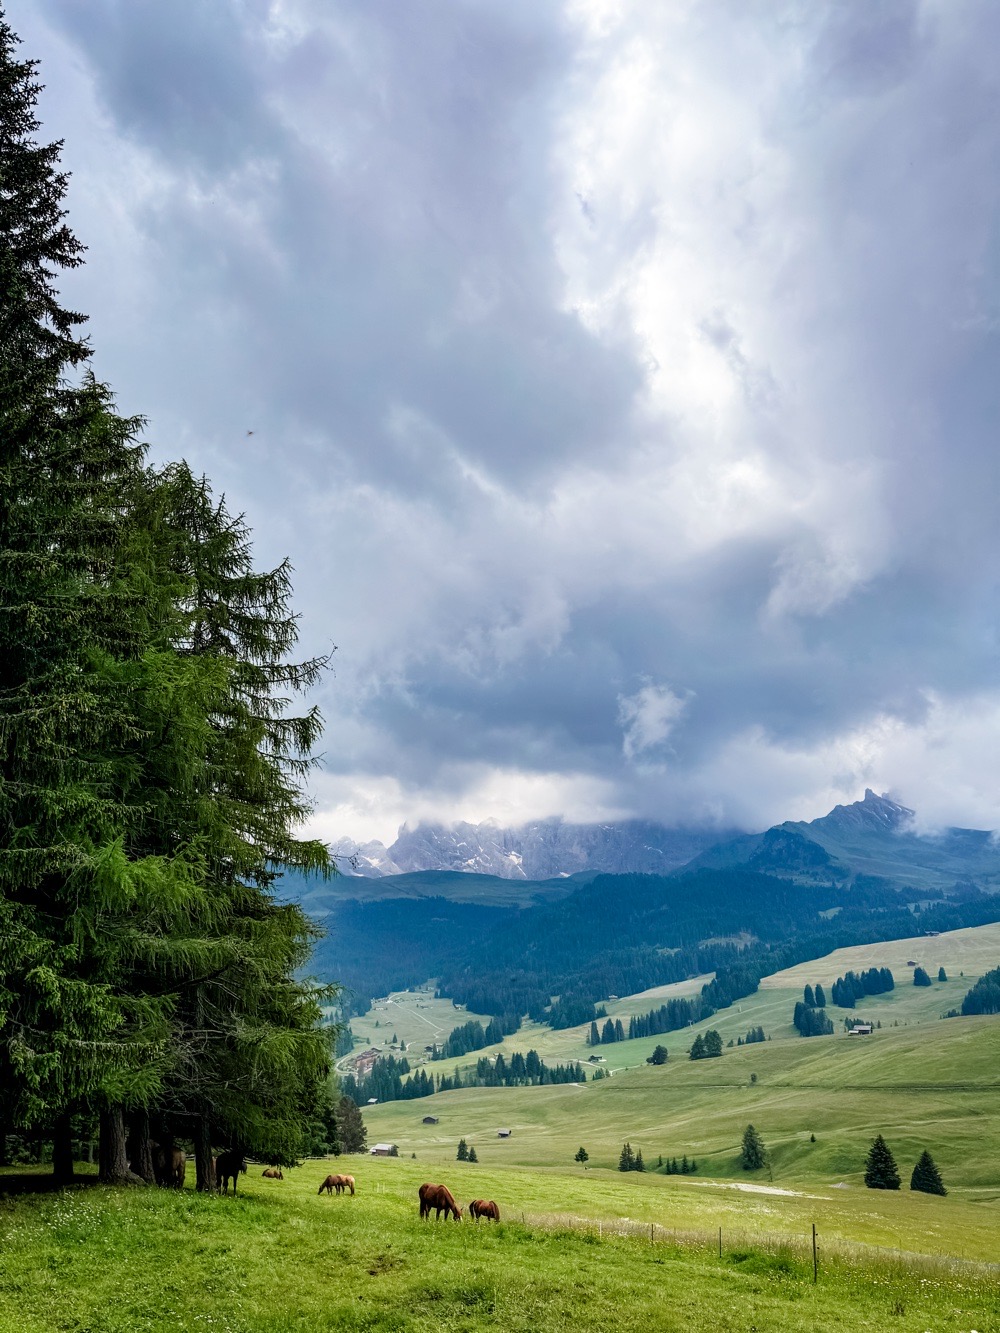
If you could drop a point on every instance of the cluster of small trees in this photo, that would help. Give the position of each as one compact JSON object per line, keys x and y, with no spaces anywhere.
{"x":149,"y":770}
{"x":853,"y":986}
{"x":629,"y":1160}
{"x":753,"y":1036}
{"x":472,"y":1036}
{"x":670,"y":1017}
{"x":466,"y":1152}
{"x":386,"y":1083}
{"x":811,"y":1021}
{"x":659,"y":1057}
{"x":881,"y":1172}
{"x":686,"y":1168}
{"x":613,"y":1030}
{"x":706,"y":1045}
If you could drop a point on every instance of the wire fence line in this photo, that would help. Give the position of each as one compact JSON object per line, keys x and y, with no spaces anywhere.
{"x":736,"y":1242}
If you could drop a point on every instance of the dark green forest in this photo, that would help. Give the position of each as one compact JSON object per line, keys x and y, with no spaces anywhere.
{"x":151,"y":764}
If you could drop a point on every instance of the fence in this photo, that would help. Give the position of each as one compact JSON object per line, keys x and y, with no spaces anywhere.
{"x":809,"y":1250}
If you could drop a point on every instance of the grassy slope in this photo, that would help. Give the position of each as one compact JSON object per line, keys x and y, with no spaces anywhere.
{"x":278,"y":1258}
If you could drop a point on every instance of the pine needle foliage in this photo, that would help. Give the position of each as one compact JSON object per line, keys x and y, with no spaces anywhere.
{"x":881,"y":1172}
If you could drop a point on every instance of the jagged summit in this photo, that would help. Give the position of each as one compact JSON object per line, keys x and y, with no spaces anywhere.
{"x":873,"y":812}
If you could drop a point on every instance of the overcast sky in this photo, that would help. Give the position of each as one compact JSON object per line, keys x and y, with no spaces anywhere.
{"x":622,"y":377}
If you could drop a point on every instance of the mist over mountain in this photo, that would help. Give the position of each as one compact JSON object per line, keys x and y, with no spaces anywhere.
{"x":544,"y":849}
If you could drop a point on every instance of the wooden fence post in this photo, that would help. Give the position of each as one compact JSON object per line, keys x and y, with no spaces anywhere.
{"x":720,"y":1242}
{"x":815,"y":1258}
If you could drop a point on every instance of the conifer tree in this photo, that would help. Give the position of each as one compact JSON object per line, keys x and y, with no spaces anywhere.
{"x":926,"y":1177}
{"x":626,"y":1162}
{"x":637,"y":1163}
{"x":881,"y":1172}
{"x":463,"y":1151}
{"x":820,"y":996}
{"x":581,"y":1155}
{"x":473,"y":1155}
{"x":753,"y":1154}
{"x":353,"y":1131}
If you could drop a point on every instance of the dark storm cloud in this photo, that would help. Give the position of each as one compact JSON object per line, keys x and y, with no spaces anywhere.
{"x":622,"y":378}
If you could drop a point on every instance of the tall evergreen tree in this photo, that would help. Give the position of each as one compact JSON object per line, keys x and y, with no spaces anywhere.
{"x":926,"y":1177}
{"x":353,"y":1130}
{"x":626,"y":1162}
{"x":881,"y":1172}
{"x":463,"y":1151}
{"x":753,"y":1154}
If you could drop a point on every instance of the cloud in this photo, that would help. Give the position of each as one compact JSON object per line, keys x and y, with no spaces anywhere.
{"x":647,"y":718}
{"x":586,"y":347}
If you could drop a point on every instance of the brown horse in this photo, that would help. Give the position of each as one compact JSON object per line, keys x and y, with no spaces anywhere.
{"x":228,"y":1167}
{"x":338,"y":1183}
{"x":441,"y":1199}
{"x":169,"y":1166}
{"x":272,"y":1173}
{"x":484,"y":1208}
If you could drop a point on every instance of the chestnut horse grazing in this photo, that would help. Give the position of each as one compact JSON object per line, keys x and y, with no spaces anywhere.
{"x":338,"y":1183}
{"x":484,"y":1208}
{"x":272,"y":1173}
{"x":228,"y":1167}
{"x":441,"y":1199}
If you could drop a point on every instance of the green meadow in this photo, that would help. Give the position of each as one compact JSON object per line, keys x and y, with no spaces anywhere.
{"x":587,"y":1244}
{"x":279,"y":1259}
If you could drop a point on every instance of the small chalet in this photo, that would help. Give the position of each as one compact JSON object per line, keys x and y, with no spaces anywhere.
{"x":430,"y":1119}
{"x":384,"y":1150}
{"x":861,"y":1030}
{"x":372,"y":1101}
{"x":504,"y":1133}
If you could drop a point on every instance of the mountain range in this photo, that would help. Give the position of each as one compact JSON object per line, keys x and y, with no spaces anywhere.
{"x":545,"y":849}
{"x":873,"y":837}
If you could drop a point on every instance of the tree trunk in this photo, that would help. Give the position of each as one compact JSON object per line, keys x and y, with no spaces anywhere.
{"x":204,"y":1164}
{"x":62,"y":1150}
{"x":140,"y":1147}
{"x":112,"y":1158}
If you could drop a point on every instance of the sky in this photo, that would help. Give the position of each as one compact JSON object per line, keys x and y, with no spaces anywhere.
{"x":619,"y":377}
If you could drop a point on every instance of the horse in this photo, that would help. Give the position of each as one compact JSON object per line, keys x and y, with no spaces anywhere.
{"x":441,"y":1199}
{"x":338,"y":1183}
{"x":169,"y":1166}
{"x":484,"y":1208}
{"x":228,"y":1166}
{"x":272,"y":1173}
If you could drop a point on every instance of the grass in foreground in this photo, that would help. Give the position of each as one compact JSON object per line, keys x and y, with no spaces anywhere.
{"x":280,"y":1259}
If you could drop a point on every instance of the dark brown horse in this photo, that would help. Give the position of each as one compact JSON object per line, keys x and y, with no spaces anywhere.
{"x":441,"y":1199}
{"x":338,"y":1183}
{"x":272,"y":1173}
{"x":484,"y":1208}
{"x":169,"y":1166}
{"x":228,"y":1167}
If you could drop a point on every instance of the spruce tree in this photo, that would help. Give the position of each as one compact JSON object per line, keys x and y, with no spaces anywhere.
{"x":581,"y":1155}
{"x":473,"y":1156}
{"x":881,"y":1172}
{"x":820,"y":997}
{"x":753,"y":1154}
{"x":463,"y":1151}
{"x":626,"y":1162}
{"x":353,"y":1132}
{"x":926,"y":1177}
{"x":637,"y":1163}
{"x":72,"y":620}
